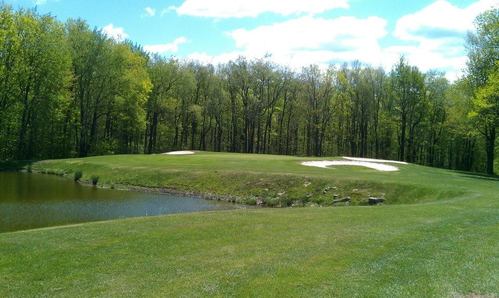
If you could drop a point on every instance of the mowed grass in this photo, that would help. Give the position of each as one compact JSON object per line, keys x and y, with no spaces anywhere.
{"x":439,"y":245}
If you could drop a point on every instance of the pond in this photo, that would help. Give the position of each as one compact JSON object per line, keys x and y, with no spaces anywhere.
{"x":33,"y":200}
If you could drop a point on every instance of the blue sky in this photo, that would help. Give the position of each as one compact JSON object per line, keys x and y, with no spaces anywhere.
{"x":295,"y":33}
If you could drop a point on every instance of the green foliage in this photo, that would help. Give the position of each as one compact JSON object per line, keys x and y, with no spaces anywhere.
{"x":94,"y":179}
{"x":77,"y":175}
{"x":69,"y":90}
{"x":35,"y":76}
{"x":483,"y":75}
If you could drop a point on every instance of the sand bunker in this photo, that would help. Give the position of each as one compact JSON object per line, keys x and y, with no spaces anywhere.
{"x":327,"y":163}
{"x":179,"y":153}
{"x":374,"y":160}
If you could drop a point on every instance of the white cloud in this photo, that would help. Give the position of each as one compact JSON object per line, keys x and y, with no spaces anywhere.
{"x":427,"y":57}
{"x":171,"y":47}
{"x":310,"y":33}
{"x":438,"y":32}
{"x":309,"y":40}
{"x":149,"y":11}
{"x":432,"y":38}
{"x":116,"y":33}
{"x":245,"y":8}
{"x":441,"y":19}
{"x":168,"y":10}
{"x":39,"y":2}
{"x":215,"y":59}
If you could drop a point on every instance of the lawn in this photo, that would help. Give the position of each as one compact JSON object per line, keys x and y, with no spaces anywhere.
{"x":437,"y":236}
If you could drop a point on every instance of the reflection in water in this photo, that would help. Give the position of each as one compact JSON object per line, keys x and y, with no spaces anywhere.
{"x":33,"y":200}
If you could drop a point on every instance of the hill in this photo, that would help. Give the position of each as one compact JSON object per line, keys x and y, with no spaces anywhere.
{"x":277,"y":180}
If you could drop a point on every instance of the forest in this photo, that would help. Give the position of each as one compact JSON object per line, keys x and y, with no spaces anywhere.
{"x":68,"y":90}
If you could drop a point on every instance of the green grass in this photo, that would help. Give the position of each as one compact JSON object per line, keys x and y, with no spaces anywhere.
{"x":277,"y":180}
{"x":437,"y":237}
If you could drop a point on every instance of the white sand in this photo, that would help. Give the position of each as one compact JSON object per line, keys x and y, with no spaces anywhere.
{"x":327,"y":163}
{"x":374,"y":160}
{"x":179,"y":153}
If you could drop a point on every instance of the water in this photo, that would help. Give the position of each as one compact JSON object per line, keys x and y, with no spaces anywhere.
{"x":33,"y":200}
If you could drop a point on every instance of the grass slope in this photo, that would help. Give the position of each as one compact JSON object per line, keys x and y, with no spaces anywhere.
{"x":278,"y":180}
{"x":447,"y":246}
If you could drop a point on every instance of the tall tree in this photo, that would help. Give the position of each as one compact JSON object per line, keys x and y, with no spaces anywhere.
{"x":318,"y":92}
{"x":164,"y":75}
{"x":483,"y":54}
{"x":408,"y":93}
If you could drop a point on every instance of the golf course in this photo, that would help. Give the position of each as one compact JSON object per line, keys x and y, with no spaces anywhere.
{"x":212,"y":148}
{"x":435,"y":235}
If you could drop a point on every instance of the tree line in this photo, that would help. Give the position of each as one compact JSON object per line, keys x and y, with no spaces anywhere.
{"x":68,"y":90}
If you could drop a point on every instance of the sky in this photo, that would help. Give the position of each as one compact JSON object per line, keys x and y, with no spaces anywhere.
{"x":431,"y":34}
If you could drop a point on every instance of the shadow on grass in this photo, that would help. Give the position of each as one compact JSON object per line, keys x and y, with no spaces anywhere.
{"x":14,"y":165}
{"x":479,"y":176}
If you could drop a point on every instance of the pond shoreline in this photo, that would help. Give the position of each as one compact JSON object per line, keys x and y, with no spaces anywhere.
{"x":143,"y":189}
{"x":31,"y":200}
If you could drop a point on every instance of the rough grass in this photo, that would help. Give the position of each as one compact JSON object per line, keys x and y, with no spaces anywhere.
{"x":440,"y":245}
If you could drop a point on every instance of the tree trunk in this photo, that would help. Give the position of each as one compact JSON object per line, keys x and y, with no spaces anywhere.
{"x":402,"y":138}
{"x":490,"y":147}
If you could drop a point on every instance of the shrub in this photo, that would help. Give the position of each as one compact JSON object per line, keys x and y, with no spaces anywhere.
{"x":95,"y":179}
{"x":276,"y":202}
{"x":297,"y":203}
{"x":77,"y":176}
{"x":248,"y":201}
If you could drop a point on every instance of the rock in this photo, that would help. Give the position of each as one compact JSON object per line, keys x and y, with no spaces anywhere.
{"x":328,"y":188}
{"x":343,"y":200}
{"x":307,"y":183}
{"x":259,"y":202}
{"x":375,"y":201}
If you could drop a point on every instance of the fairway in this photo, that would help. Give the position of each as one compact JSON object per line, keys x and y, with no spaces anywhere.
{"x":436,"y":235}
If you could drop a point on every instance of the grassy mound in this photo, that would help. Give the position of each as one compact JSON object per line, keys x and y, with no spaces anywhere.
{"x":275,"y":181}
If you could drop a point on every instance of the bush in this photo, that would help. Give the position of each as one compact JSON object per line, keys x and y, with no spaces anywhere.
{"x":77,"y":176}
{"x":275,"y":202}
{"x":248,"y":201}
{"x":95,"y":179}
